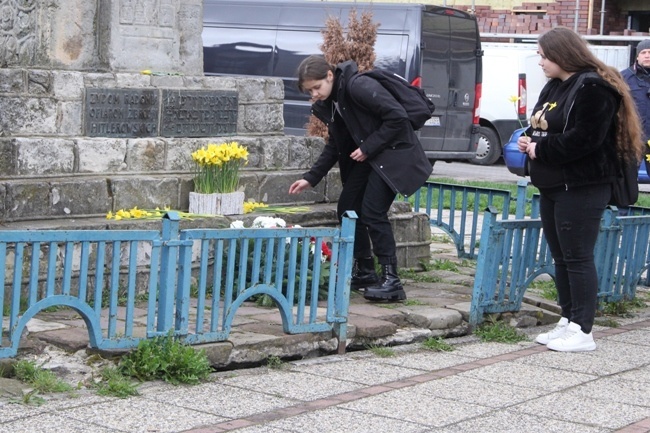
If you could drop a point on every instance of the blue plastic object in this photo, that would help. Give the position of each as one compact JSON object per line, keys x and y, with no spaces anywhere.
{"x":516,"y":160}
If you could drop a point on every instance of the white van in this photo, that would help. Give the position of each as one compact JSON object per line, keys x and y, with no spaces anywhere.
{"x":512,"y":69}
{"x":509,"y":70}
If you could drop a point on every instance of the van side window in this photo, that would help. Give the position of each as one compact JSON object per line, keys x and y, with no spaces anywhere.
{"x":238,"y":51}
{"x":292,"y":48}
{"x":391,"y":54}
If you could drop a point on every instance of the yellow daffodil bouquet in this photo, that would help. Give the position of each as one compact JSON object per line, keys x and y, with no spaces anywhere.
{"x":217,"y":167}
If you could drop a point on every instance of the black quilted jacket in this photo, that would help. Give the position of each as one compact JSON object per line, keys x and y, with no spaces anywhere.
{"x":369,"y":117}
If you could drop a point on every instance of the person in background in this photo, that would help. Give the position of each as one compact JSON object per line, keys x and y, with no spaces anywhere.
{"x":637,"y":77}
{"x":584,"y":117}
{"x":379,"y":156}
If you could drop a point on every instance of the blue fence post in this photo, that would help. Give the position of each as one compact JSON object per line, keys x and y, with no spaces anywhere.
{"x":487,"y":255}
{"x":169,"y":238}
{"x":342,"y":303}
{"x":522,"y":186}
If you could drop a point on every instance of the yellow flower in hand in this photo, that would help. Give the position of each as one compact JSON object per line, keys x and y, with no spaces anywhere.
{"x":514,"y":99}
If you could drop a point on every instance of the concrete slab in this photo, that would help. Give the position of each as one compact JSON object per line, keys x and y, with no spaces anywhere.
{"x":431,"y":317}
{"x":225,"y":401}
{"x":368,"y":327}
{"x":293,"y":384}
{"x":417,"y":405}
{"x":569,"y":406}
{"x":69,"y":339}
{"x":38,"y":325}
{"x":367,"y":372}
{"x":342,"y":420}
{"x":137,"y":415}
{"x":509,"y":421}
{"x":533,"y":376}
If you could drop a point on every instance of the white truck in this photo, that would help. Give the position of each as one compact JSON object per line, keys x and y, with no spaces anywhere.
{"x":511,"y":70}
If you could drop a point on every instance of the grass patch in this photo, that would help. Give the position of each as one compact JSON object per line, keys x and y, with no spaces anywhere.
{"x":114,"y":383}
{"x":413,"y":302}
{"x":437,"y":344}
{"x":167,"y":359}
{"x":441,"y":239}
{"x":274,"y":362}
{"x":622,"y":308}
{"x":499,"y":332}
{"x":381,"y":351}
{"x":42,"y":380}
{"x":444,"y":265}
{"x":418,"y":277}
{"x":546,"y":289}
{"x":465,"y":263}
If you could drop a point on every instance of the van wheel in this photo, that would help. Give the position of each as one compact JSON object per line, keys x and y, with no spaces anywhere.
{"x":488,"y":148}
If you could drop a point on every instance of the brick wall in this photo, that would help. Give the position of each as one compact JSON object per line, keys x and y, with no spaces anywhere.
{"x":536,"y":17}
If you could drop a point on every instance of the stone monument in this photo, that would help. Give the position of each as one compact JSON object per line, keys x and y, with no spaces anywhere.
{"x":102,"y":103}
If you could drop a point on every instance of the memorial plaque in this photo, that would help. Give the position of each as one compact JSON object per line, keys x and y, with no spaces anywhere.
{"x":121,"y":113}
{"x":199,"y":113}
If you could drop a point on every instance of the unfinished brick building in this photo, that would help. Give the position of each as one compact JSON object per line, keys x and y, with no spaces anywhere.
{"x":619,"y":17}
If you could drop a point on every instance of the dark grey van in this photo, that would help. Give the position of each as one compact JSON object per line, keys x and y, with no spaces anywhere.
{"x":435,"y":47}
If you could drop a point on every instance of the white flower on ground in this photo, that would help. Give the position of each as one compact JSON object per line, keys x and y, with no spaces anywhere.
{"x":268,"y":222}
{"x":237,"y":224}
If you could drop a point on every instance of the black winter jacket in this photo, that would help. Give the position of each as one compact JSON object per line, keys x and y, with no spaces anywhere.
{"x":583,"y":150}
{"x":638,"y":79}
{"x":369,"y":117}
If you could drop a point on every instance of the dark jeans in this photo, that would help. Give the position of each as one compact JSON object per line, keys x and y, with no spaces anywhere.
{"x":571,"y":220}
{"x":370,"y":197}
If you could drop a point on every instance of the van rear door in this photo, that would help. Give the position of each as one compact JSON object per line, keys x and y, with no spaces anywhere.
{"x":450,"y":72}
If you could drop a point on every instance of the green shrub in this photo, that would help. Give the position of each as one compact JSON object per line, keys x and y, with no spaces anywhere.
{"x":167,"y":359}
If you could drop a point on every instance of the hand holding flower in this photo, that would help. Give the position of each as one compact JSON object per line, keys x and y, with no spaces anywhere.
{"x":526,"y":145}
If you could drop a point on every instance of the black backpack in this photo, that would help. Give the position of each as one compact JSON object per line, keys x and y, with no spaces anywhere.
{"x":418,"y":107}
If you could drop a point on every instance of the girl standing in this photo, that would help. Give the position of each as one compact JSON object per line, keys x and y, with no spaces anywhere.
{"x":584,"y":119}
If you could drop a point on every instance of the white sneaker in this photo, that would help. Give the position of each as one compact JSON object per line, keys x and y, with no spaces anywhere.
{"x":573,"y":340}
{"x":555,"y":333}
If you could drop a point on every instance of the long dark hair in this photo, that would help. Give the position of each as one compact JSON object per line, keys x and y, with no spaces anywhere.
{"x":570,"y":52}
{"x":313,"y":68}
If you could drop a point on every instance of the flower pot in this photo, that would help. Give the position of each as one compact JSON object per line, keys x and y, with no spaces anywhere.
{"x":230,"y":203}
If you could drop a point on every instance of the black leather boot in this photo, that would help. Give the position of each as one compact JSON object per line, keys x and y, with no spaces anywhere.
{"x":389,"y":287}
{"x":363,"y":273}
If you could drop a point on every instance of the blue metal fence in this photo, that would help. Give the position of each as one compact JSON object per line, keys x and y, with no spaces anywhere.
{"x":458,"y":209}
{"x":196,"y":279}
{"x":514,"y":252}
{"x":100,"y":274}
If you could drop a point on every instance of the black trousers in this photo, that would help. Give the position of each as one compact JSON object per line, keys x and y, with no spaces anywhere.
{"x":366,"y":193}
{"x":571,"y":220}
